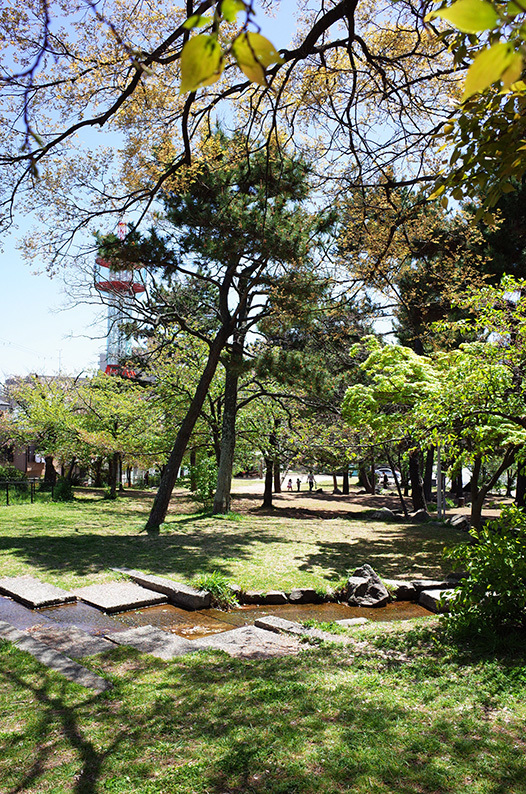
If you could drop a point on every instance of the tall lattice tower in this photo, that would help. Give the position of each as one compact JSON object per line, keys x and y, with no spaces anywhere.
{"x":120,"y":288}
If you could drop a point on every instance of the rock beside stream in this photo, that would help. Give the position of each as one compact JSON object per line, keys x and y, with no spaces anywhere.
{"x":365,"y":589}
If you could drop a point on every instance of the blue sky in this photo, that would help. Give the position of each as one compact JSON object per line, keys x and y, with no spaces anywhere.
{"x":37,"y":334}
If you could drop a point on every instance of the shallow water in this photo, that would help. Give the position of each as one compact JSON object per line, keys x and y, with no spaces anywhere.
{"x":194,"y":624}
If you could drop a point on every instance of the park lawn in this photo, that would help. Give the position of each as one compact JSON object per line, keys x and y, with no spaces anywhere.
{"x":78,"y":543}
{"x":399,"y":711}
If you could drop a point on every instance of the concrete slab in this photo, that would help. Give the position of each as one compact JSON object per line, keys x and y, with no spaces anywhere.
{"x":33,"y":593}
{"x":250,"y":642}
{"x":182,"y":595}
{"x":70,"y":640}
{"x":279,"y":625}
{"x":118,"y":596}
{"x":154,"y":641}
{"x":282,"y":626}
{"x":430,"y":584}
{"x":431,"y":599}
{"x":304,"y":595}
{"x":53,"y":659}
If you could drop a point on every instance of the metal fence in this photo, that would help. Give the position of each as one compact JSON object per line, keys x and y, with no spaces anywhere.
{"x":10,"y":485}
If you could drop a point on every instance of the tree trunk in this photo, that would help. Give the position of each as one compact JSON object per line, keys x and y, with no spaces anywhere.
{"x":50,"y":475}
{"x":277,"y":476}
{"x":128,"y":476}
{"x":97,"y":467}
{"x":520,"y":491}
{"x":345,"y":483}
{"x":478,"y":495}
{"x":228,"y":432}
{"x":267,"y":494}
{"x":363,"y":479}
{"x":171,"y":469}
{"x":415,"y":476}
{"x":113,"y":474}
{"x":398,"y":488}
{"x":428,"y":473}
{"x":119,"y":473}
{"x":71,"y":467}
{"x":193,"y":462}
{"x":334,"y":483}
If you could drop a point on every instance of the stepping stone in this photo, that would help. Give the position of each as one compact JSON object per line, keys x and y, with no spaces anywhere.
{"x":269,"y":597}
{"x":282,"y":626}
{"x":118,"y":596}
{"x":430,"y":584}
{"x":181,"y":595}
{"x":430,"y":599}
{"x":70,"y":640}
{"x":404,"y":591}
{"x":55,"y":660}
{"x":349,"y":622}
{"x":250,"y":642}
{"x":156,"y":642}
{"x":304,"y":595}
{"x":34,"y":593}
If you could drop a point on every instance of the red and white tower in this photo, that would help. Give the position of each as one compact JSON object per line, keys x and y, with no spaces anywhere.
{"x":120,"y":288}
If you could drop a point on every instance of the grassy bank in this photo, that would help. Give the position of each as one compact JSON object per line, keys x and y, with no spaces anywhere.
{"x":396,"y":713}
{"x":73,"y":544}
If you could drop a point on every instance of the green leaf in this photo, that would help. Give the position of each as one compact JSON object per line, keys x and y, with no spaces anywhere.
{"x":253,"y":54}
{"x":513,"y":72}
{"x":487,"y":67}
{"x":469,"y":16}
{"x":197,"y":21}
{"x":231,"y":8}
{"x":201,"y":63}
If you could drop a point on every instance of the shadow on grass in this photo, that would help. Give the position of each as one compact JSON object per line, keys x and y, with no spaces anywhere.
{"x":186,"y":553}
{"x":411,"y":549}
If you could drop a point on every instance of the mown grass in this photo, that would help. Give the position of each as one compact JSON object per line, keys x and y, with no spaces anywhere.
{"x":397,"y":712}
{"x":77,"y":543}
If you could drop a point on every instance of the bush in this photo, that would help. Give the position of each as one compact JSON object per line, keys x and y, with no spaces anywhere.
{"x":219,"y":588}
{"x":205,"y":475}
{"x":492,"y":597}
{"x":63,"y":490}
{"x":9,"y":473}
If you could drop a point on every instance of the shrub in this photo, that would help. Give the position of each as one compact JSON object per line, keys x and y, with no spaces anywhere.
{"x":9,"y":473}
{"x":205,"y":475}
{"x":63,"y":490}
{"x":219,"y":588}
{"x":492,"y":597}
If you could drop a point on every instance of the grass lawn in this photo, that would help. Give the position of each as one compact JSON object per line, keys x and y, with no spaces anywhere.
{"x":400,"y":710}
{"x":305,"y":541}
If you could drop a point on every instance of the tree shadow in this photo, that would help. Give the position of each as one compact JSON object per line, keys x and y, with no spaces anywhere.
{"x":54,"y":715}
{"x":413,"y":550}
{"x":185,"y":553}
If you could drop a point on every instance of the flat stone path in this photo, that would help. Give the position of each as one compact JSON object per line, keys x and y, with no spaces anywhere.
{"x":53,"y":659}
{"x":34,"y":593}
{"x":154,"y":641}
{"x":250,"y":642}
{"x":119,"y":596}
{"x":70,"y":640}
{"x":246,"y":642}
{"x":182,"y":595}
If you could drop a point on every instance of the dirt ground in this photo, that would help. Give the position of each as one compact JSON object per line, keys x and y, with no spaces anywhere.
{"x":247,"y":495}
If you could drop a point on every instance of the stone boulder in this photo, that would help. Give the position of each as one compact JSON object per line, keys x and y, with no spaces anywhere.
{"x":365,"y":589}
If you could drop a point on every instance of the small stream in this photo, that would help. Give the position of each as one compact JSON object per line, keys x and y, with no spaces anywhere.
{"x":194,"y":624}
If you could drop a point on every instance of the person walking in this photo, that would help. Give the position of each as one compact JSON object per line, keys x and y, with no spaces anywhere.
{"x":311,"y":481}
{"x":298,"y":483}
